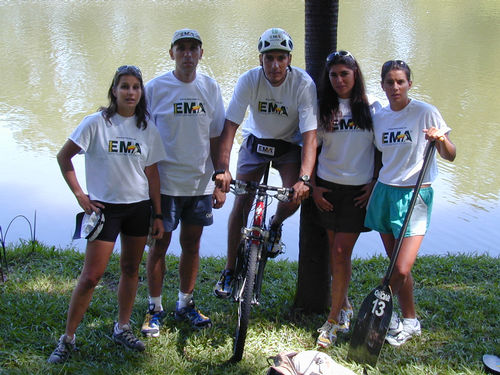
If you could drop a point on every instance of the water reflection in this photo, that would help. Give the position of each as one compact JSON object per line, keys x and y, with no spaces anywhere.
{"x":58,"y":58}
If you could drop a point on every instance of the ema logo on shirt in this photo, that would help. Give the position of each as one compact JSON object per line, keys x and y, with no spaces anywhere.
{"x":188,"y":108}
{"x":122,"y":147}
{"x":272,"y":107}
{"x":396,"y":137}
{"x":344,"y":125}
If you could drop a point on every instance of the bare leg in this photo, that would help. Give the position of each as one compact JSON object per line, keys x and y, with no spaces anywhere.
{"x":190,"y":257}
{"x":401,"y":280}
{"x":289,"y":176}
{"x":341,"y":246}
{"x":155,"y":266}
{"x":96,"y":260}
{"x":131,"y":255}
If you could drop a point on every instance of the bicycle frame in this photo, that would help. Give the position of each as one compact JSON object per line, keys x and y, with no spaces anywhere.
{"x":257,"y":234}
{"x":252,"y":255}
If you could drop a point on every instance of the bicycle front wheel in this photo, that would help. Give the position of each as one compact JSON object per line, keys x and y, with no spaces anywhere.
{"x":245,"y":302}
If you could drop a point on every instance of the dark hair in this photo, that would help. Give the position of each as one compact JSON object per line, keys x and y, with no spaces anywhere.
{"x":395,"y":65}
{"x":141,"y":110}
{"x":329,"y":100}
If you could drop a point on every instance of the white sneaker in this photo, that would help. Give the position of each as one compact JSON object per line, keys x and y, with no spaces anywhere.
{"x":327,"y":334}
{"x":411,"y":327}
{"x":395,"y":326}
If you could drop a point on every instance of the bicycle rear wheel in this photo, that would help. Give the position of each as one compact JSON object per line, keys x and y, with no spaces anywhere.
{"x":245,"y":303}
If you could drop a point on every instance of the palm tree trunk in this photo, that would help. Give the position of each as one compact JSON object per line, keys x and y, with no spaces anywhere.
{"x":314,"y":280}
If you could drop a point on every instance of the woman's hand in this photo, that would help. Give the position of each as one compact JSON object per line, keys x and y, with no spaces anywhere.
{"x":435,"y":134}
{"x":158,"y":229}
{"x":88,"y":205}
{"x":362,"y":200}
{"x":319,"y":199}
{"x":445,"y":147}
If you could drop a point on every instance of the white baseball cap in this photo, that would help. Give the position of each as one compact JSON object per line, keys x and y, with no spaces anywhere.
{"x":186,"y":34}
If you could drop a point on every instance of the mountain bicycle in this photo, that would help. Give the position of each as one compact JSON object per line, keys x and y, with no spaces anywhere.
{"x":252,"y":254}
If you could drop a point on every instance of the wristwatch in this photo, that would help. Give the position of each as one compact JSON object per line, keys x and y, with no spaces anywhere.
{"x":305,"y":179}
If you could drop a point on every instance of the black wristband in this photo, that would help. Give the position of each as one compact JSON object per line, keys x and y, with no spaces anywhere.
{"x":158,"y":216}
{"x":218,"y":171}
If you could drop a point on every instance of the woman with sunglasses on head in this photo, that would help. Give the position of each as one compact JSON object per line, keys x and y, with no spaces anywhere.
{"x":345,"y":175}
{"x":402,"y":131}
{"x":121,"y":150}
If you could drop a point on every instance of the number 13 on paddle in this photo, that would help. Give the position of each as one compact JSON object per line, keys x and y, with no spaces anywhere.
{"x":379,"y":304}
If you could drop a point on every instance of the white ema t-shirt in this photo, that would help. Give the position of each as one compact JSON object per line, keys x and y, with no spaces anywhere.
{"x":399,"y":136}
{"x":282,"y":112}
{"x":187,"y":116}
{"x":116,"y":155}
{"x":347,"y":153}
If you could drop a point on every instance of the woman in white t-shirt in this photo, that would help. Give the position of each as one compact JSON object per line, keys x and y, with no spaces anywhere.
{"x":402,"y":131}
{"x":121,"y":150}
{"x":345,"y":175}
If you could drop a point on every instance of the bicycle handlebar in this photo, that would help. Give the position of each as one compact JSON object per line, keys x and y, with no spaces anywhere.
{"x":242,"y":187}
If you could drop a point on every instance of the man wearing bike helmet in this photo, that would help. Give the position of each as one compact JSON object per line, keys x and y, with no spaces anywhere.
{"x":282,"y":118}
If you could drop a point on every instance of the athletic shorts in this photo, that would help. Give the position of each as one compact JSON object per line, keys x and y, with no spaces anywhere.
{"x":345,"y":217}
{"x":131,"y":219}
{"x":250,"y":161}
{"x":387,"y":209}
{"x":195,"y":210}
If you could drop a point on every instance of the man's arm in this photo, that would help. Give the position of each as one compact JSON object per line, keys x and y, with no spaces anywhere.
{"x":218,"y":196}
{"x":309,"y":145}
{"x":226,"y":139}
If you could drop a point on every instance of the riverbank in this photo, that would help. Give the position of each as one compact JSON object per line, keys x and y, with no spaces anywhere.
{"x":457,"y":300}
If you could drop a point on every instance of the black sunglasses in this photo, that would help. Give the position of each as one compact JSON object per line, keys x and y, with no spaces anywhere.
{"x":392,"y":63}
{"x":129,"y":68}
{"x":333,"y":55}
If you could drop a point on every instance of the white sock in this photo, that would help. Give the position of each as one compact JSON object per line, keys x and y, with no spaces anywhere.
{"x":184,"y":299}
{"x":412,"y":322}
{"x":69,"y":340}
{"x":119,"y":328}
{"x":155,"y":304}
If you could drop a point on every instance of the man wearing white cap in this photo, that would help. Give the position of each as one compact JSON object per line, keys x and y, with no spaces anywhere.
{"x":188,"y":110}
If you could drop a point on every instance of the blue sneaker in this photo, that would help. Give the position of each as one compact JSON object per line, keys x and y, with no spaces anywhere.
{"x":195,"y":317}
{"x":152,"y":323}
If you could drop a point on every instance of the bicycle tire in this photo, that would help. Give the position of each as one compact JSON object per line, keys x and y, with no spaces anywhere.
{"x":245,"y":303}
{"x":239,"y":270}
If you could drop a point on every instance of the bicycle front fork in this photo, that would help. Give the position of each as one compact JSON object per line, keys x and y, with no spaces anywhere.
{"x":260,"y":235}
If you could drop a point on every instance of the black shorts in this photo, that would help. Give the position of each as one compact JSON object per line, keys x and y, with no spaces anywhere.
{"x":130,"y":219}
{"x":345,"y":217}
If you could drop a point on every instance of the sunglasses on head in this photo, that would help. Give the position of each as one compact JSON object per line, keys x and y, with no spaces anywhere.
{"x":129,"y":68}
{"x":333,"y":55}
{"x":392,"y":63}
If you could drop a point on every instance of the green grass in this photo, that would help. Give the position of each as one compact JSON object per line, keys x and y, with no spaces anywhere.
{"x":457,"y":300}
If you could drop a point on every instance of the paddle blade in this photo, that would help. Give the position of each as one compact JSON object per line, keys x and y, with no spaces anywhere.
{"x":371,"y":326}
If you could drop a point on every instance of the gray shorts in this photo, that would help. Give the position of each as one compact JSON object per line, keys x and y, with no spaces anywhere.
{"x":250,"y":161}
{"x":195,"y":210}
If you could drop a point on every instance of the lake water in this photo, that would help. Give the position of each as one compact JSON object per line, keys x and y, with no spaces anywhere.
{"x":58,"y":58}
